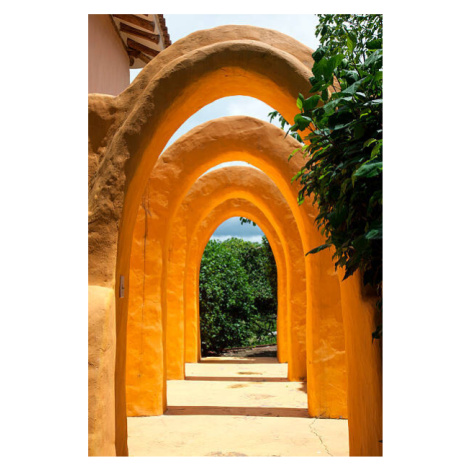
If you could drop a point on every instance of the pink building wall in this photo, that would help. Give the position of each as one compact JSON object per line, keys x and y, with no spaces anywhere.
{"x":108,"y":63}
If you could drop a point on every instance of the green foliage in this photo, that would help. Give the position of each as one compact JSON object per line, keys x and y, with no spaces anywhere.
{"x":237,"y":294}
{"x":244,"y":220}
{"x":342,"y":127}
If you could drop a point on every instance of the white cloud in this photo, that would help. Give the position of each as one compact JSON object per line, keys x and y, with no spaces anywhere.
{"x":251,"y":238}
{"x":232,"y":228}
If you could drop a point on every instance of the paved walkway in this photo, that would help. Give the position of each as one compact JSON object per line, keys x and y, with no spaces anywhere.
{"x":237,"y":407}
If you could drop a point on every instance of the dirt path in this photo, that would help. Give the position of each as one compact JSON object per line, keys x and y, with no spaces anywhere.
{"x":255,"y":351}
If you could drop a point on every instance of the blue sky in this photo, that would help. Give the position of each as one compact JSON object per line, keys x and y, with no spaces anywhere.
{"x":300,"y":27}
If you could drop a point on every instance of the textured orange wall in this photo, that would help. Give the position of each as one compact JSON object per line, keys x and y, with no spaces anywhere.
{"x":144,"y":119}
{"x":256,"y":187}
{"x":126,"y":136}
{"x":108,"y":63}
{"x":145,"y":333}
{"x":232,"y":208}
{"x":331,"y":357}
{"x":101,"y":361}
{"x":221,"y":185}
{"x":364,"y":369}
{"x":263,"y":145}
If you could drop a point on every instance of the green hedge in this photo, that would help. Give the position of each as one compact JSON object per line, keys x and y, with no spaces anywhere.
{"x":237,"y":294}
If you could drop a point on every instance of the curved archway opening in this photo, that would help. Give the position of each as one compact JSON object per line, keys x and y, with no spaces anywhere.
{"x":236,"y":105}
{"x":203,"y":152}
{"x":238,"y":292}
{"x":173,"y":87}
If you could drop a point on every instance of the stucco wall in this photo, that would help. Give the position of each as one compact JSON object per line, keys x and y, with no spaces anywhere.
{"x":127,"y":135}
{"x":108,"y":63}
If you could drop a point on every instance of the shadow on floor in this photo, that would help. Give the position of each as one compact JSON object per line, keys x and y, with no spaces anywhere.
{"x":237,"y":411}
{"x":237,"y":379}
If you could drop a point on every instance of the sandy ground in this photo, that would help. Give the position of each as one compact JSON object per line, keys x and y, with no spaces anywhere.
{"x":232,"y":406}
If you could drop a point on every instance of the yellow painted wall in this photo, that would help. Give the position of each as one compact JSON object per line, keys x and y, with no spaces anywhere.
{"x":255,"y":187}
{"x":127,"y":134}
{"x":227,"y":209}
{"x":221,"y":185}
{"x":145,"y":116}
{"x":364,"y":368}
{"x":263,"y":145}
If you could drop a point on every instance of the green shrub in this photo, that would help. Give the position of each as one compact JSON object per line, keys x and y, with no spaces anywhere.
{"x":342,"y":126}
{"x":237,"y":294}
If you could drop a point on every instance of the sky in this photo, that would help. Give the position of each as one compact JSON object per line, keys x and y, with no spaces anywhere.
{"x":300,"y":27}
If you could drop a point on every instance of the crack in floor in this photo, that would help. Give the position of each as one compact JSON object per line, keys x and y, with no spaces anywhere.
{"x":319,"y":437}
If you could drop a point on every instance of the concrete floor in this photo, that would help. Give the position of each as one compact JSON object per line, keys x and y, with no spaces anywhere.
{"x":237,"y":407}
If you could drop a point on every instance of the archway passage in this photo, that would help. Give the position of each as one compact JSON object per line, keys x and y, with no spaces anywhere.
{"x":231,"y":208}
{"x":127,"y":135}
{"x":276,"y":219}
{"x":264,"y":145}
{"x":202,"y":209}
{"x":186,"y":247}
{"x":237,"y":293}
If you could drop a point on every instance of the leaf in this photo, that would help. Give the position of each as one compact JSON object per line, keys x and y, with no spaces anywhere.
{"x":338,"y":216}
{"x":319,"y":53}
{"x":375,"y":150}
{"x":368,"y":142}
{"x":319,"y":68}
{"x":299,"y":104}
{"x":351,"y":76}
{"x":331,"y":65}
{"x":374,"y":57}
{"x":375,"y":232}
{"x":352,"y":89}
{"x":311,"y":102}
{"x":318,"y":249}
{"x":351,"y":42}
{"x":374,"y":44}
{"x":368,"y":170}
{"x":376,"y":198}
{"x":331,"y":105}
{"x":302,"y":121}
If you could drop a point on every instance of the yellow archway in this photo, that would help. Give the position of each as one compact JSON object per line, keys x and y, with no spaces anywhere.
{"x":232,"y":208}
{"x":143,"y":388}
{"x":263,"y":145}
{"x":127,"y":135}
{"x":240,"y":182}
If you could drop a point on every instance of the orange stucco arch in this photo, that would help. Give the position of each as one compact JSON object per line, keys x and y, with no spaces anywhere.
{"x":186,"y":84}
{"x":232,"y":208}
{"x":265,"y":146}
{"x":208,"y":192}
{"x":126,"y":137}
{"x":242,"y":67}
{"x":143,"y":374}
{"x":145,"y":382}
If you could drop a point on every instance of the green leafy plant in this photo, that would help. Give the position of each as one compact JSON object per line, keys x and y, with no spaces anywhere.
{"x":341,"y":127}
{"x":237,"y":294}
